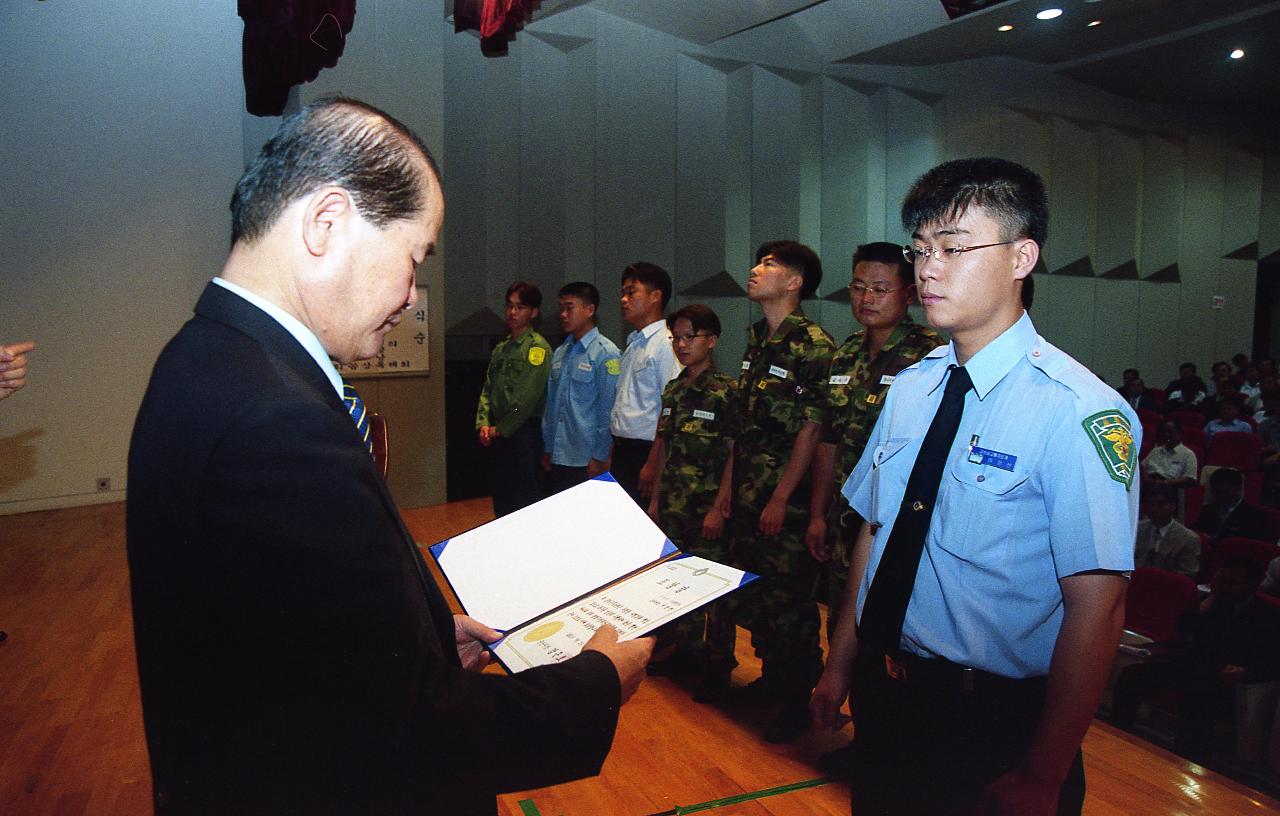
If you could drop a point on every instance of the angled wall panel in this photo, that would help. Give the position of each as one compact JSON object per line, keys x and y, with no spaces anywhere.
{"x":911,"y":149}
{"x":635,"y":151}
{"x":777,"y":124}
{"x":701,"y":162}
{"x":1064,"y":308}
{"x":1200,"y":253}
{"x":1158,"y":317}
{"x":1119,"y":205}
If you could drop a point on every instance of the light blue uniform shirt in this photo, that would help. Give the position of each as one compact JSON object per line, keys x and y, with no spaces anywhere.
{"x":1046,"y":491}
{"x":580,"y":392}
{"x":648,"y":364}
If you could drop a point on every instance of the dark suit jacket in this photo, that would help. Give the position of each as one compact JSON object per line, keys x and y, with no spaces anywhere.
{"x":294,"y":654}
{"x":1246,"y":521}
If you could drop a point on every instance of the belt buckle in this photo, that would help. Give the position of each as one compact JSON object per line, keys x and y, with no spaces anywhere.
{"x":895,"y":669}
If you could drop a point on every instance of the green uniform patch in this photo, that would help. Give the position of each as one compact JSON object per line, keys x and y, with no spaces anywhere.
{"x":1113,"y":437}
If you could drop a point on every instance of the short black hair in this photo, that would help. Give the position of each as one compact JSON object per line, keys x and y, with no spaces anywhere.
{"x":700,"y":316}
{"x":527,"y":294}
{"x":796,"y":255}
{"x":1252,"y":570}
{"x":651,"y":275}
{"x":885,"y":253}
{"x":586,"y":292}
{"x":1191,"y":366}
{"x":1163,"y":491}
{"x":1010,"y":193}
{"x":1226,"y":477}
{"x":338,"y":141}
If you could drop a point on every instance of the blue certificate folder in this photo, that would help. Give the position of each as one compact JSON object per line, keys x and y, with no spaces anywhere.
{"x":549,"y":575}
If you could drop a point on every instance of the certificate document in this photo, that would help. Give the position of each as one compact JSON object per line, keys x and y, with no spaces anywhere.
{"x":634,"y":606}
{"x":548,"y":575}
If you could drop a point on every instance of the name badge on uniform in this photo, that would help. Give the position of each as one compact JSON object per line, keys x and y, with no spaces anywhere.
{"x":986,"y":456}
{"x":780,"y":373}
{"x":584,"y":366}
{"x":746,"y":364}
{"x":887,"y":379}
{"x":704,"y":415}
{"x":840,"y":379}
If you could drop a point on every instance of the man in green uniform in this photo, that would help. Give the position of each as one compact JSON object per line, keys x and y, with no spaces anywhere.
{"x":780,"y":410}
{"x":862,"y":369}
{"x":690,"y":451}
{"x":510,"y":410}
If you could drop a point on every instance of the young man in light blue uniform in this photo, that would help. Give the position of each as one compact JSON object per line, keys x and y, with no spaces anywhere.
{"x":1012,"y":621}
{"x":580,"y":393}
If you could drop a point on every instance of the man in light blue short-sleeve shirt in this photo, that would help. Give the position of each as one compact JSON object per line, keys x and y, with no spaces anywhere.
{"x":1010,"y":627}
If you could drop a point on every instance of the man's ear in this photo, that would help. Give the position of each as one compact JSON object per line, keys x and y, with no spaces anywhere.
{"x":324,"y":213}
{"x":795,"y":281}
{"x":1025,"y":255}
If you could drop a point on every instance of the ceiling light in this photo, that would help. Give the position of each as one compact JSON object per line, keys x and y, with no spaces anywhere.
{"x":1049,"y":14}
{"x":1005,"y":27}
{"x":1093,"y":23}
{"x":1237,"y":54}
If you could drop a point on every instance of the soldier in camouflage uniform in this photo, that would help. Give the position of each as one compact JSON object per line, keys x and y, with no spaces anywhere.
{"x":776,"y":428}
{"x":509,"y":415}
{"x":690,"y":452}
{"x":862,"y":369}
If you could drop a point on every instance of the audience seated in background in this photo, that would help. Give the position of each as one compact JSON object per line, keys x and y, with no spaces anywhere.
{"x":1170,"y":462}
{"x":1188,"y":391}
{"x":1217,"y":371}
{"x":1228,"y":418}
{"x":1229,"y":638}
{"x":1125,"y":376}
{"x":1228,"y":515}
{"x":1269,"y":433}
{"x":1162,"y":541}
{"x":1135,"y":393}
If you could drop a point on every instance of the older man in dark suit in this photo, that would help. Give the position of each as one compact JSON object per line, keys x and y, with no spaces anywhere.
{"x":294,"y":654}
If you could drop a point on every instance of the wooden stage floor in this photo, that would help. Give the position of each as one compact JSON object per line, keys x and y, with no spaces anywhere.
{"x":71,"y":728}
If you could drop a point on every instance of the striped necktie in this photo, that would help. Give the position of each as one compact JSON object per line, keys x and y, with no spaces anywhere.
{"x":355,"y":407}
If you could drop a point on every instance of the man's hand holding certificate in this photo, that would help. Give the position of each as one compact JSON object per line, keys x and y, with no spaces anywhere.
{"x":550,"y":575}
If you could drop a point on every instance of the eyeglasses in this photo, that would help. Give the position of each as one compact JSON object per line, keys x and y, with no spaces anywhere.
{"x":917,"y":256}
{"x":679,"y":339}
{"x":878,"y":291}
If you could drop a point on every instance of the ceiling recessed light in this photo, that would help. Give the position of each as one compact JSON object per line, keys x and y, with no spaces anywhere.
{"x":1237,"y":54}
{"x":1049,"y":14}
{"x":1093,"y":23}
{"x":1005,"y":27}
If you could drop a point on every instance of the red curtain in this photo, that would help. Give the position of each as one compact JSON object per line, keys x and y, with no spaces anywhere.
{"x":286,"y":43}
{"x":496,"y":20}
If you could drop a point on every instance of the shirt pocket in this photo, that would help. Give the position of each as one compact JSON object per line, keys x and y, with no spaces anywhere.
{"x":987,"y":496}
{"x":883,"y":454}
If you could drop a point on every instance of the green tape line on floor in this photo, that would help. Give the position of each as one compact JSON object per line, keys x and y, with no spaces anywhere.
{"x":681,"y":810}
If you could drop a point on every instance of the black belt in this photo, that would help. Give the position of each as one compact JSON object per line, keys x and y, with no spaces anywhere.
{"x":943,"y":675}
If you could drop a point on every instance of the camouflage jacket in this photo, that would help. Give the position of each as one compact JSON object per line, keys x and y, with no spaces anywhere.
{"x":858,"y":384}
{"x":779,"y":390}
{"x":695,"y":416}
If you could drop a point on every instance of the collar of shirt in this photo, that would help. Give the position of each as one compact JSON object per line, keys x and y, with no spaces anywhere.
{"x":645,"y":333}
{"x":990,"y":365}
{"x":586,"y":338}
{"x":291,"y":324}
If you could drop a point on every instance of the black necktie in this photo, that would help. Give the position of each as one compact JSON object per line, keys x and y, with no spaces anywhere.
{"x":886,"y":604}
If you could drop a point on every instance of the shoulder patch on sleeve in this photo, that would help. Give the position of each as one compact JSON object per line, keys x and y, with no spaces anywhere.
{"x":613,"y":366}
{"x":537,"y":356}
{"x":1113,"y":438}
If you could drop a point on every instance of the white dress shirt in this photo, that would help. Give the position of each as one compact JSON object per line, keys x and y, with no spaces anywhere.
{"x":648,"y":364}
